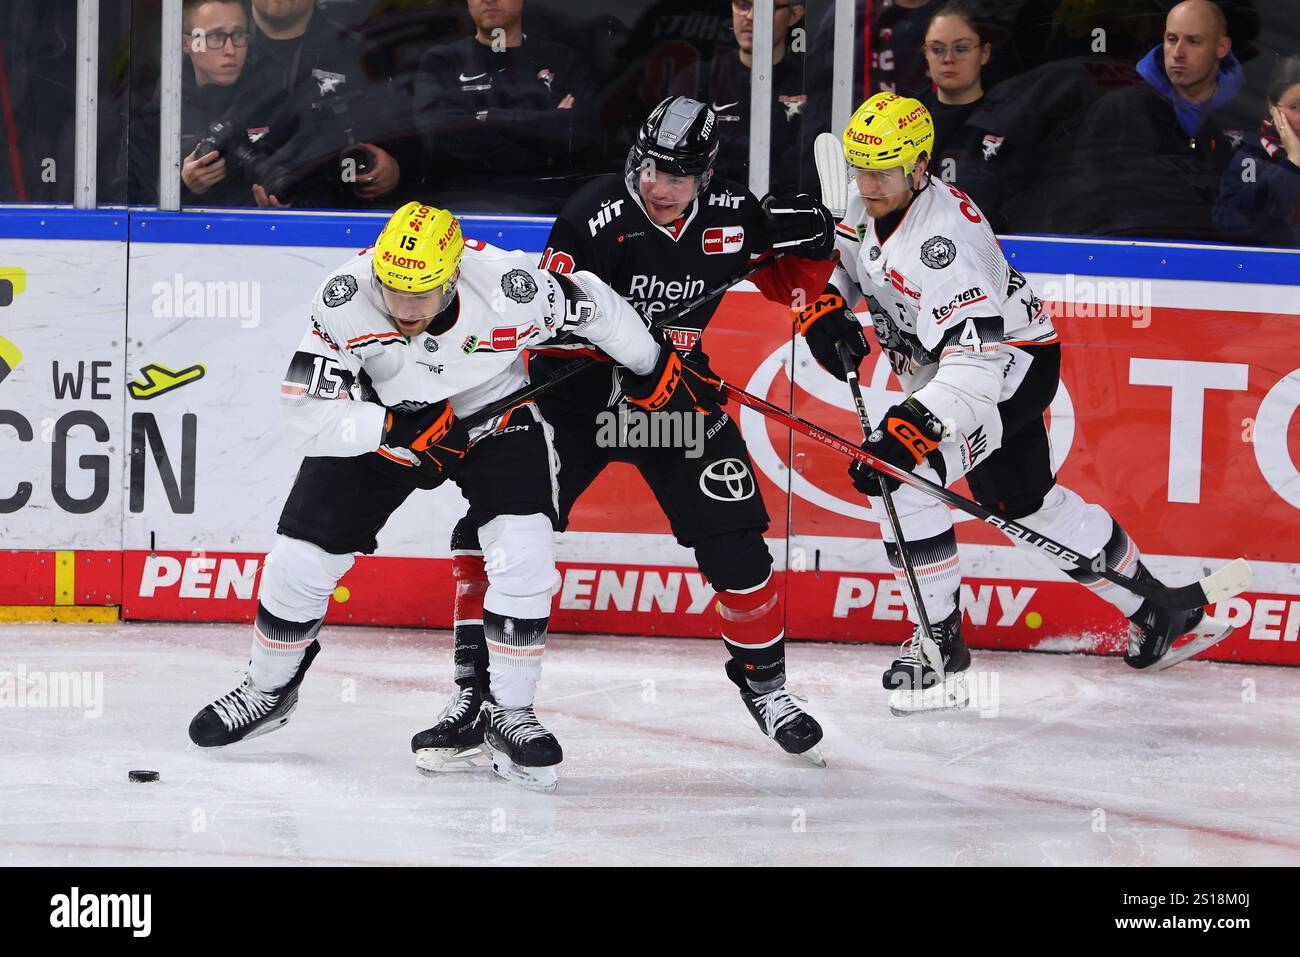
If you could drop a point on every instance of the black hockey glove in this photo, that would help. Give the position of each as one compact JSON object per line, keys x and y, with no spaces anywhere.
{"x":677,"y":383}
{"x":799,"y":225}
{"x":826,"y":322}
{"x":433,"y":433}
{"x":907,"y":434}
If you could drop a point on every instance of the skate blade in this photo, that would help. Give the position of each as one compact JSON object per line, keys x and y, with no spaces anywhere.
{"x":813,"y":756}
{"x":1207,"y":634}
{"x":532,"y":779}
{"x":433,"y":762}
{"x":950,"y":695}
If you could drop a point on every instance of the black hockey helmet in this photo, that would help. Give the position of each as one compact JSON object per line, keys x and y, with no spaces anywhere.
{"x":679,"y":137}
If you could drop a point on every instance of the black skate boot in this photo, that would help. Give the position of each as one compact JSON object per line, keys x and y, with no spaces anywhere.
{"x":914,"y":686}
{"x":523,"y":752}
{"x":780,"y":718}
{"x":1153,"y":630}
{"x":247,"y":711}
{"x":457,"y":738}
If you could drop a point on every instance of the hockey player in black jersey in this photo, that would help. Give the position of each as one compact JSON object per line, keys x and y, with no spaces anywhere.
{"x":660,"y":234}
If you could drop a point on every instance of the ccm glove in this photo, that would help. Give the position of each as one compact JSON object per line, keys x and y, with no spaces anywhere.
{"x":826,"y":322}
{"x":675,"y":384}
{"x":908,"y":433}
{"x":433,"y":433}
{"x":799,"y":225}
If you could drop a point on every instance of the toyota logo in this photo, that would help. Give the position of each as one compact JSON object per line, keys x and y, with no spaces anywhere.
{"x":727,"y":480}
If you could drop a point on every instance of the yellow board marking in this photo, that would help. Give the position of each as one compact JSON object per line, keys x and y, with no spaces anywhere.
{"x":17,"y":277}
{"x":342,"y":594}
{"x":1033,"y":620}
{"x":65,"y":578}
{"x":72,"y":614}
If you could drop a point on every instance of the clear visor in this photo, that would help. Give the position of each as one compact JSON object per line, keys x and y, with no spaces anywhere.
{"x":417,"y":306}
{"x":882,"y":176}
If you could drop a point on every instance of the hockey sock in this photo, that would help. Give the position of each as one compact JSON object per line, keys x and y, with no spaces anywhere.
{"x":938,"y":572}
{"x":752,"y":622}
{"x":471,"y":655}
{"x":1122,"y":556}
{"x":278,"y":648}
{"x":515,"y":647}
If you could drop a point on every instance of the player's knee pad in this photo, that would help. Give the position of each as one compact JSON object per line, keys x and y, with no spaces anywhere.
{"x":919,"y":515}
{"x":519,"y":557}
{"x":299,"y":578}
{"x":1068,"y":519}
{"x":734,"y":561}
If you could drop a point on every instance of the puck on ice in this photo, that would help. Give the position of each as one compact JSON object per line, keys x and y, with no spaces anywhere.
{"x":142,"y":775}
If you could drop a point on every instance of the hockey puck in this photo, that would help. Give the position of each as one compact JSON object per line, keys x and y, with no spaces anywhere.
{"x":142,"y":776}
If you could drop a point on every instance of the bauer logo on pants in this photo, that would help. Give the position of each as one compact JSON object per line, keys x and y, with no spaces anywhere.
{"x":727,"y":480}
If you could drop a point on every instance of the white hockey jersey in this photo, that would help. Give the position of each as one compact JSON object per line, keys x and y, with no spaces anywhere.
{"x":946,"y":305}
{"x":352,"y":362}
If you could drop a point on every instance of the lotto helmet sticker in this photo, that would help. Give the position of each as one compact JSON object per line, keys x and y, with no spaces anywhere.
{"x":340,"y":289}
{"x":938,"y":252}
{"x":519,"y":286}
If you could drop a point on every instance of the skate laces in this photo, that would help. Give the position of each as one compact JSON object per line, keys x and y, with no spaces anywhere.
{"x":520,"y":725}
{"x":244,"y":705}
{"x":779,"y":709}
{"x":457,"y":705}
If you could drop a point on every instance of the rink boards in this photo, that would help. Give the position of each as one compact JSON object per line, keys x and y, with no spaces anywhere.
{"x":140,"y":464}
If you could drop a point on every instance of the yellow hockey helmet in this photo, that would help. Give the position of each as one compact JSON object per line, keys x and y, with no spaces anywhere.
{"x":887,"y":131}
{"x":418,"y":250}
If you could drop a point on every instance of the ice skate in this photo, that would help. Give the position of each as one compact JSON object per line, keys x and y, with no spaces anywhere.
{"x":523,"y":751}
{"x":780,"y":717}
{"x":456,"y":740}
{"x":248,"y":711}
{"x":915,"y":685}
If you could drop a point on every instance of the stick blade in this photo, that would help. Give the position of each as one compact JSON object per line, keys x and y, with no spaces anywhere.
{"x":1232,"y":579}
{"x":833,"y":172}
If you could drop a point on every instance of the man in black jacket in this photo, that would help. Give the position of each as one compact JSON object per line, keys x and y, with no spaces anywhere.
{"x":1149,"y":158}
{"x":215,"y":89}
{"x":352,"y":140}
{"x":502,"y":116}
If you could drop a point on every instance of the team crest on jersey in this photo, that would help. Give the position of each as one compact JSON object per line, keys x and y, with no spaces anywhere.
{"x":938,"y":252}
{"x":991,"y":145}
{"x":340,"y":289}
{"x":328,"y":82}
{"x":430,"y":345}
{"x":874,"y":252}
{"x":519,"y":286}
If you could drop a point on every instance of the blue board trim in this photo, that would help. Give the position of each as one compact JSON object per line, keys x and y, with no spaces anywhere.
{"x":26,"y":222}
{"x":1057,"y":254}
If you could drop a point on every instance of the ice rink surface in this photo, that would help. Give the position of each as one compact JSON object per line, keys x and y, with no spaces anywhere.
{"x":1061,"y":760}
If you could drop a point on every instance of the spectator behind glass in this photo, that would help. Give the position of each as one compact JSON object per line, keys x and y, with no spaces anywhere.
{"x":1259,"y":201}
{"x":301,"y":57}
{"x":798,"y":113}
{"x":956,"y":50}
{"x":1149,"y":158}
{"x":504,"y":120}
{"x":897,"y":32}
{"x":214,"y":89}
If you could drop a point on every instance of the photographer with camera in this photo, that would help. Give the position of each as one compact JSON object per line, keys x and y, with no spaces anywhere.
{"x":352,"y":134}
{"x":225,"y":147}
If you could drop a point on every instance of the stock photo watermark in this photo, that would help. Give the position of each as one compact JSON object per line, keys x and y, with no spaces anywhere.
{"x":73,"y":690}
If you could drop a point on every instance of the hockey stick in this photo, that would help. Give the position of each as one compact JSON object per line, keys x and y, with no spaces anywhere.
{"x":574,"y":366}
{"x":926,"y":648}
{"x":1232,"y":579}
{"x":833,"y":172}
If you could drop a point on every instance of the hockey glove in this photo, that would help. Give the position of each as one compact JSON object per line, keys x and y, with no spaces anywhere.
{"x":676,"y":384}
{"x":433,"y":433}
{"x":908,"y":433}
{"x":826,"y":322}
{"x":799,"y":225}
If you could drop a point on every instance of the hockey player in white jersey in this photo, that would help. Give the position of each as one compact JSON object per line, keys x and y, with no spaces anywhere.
{"x":404,"y":342}
{"x":980,"y":361}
